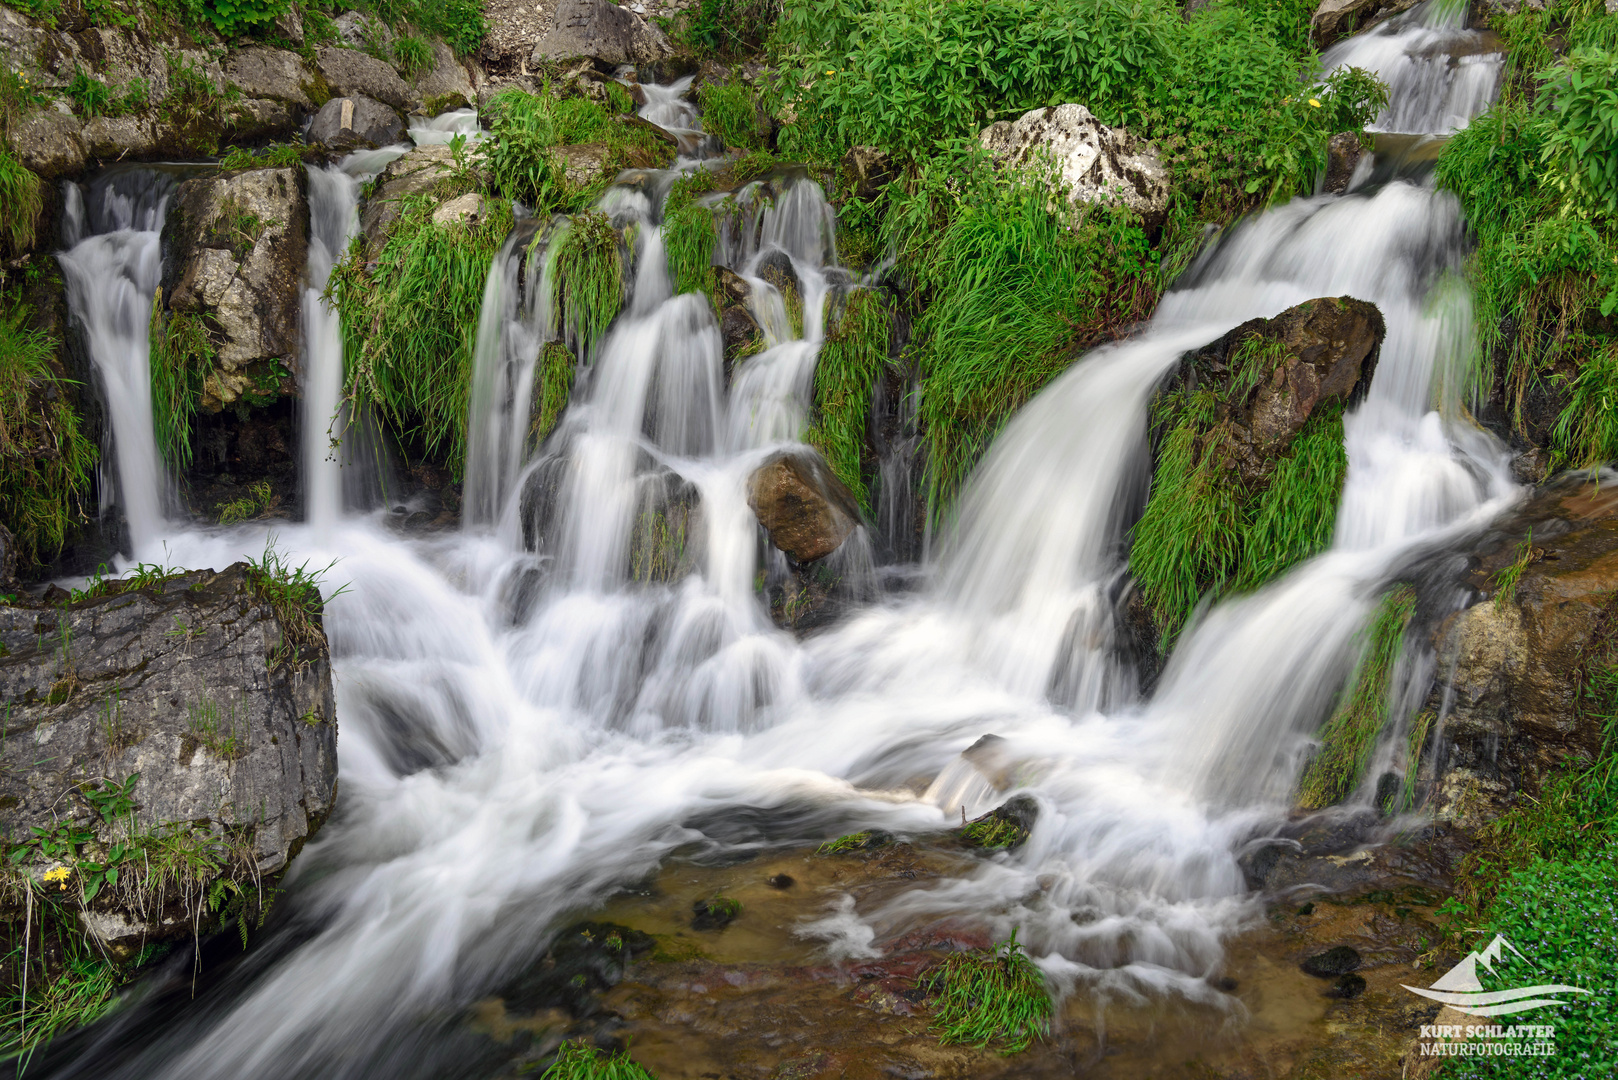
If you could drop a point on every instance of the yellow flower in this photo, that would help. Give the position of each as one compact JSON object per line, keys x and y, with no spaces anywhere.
{"x":831,"y":73}
{"x":59,"y":876}
{"x":1315,"y":103}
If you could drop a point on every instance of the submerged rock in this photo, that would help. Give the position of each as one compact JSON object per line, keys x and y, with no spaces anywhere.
{"x":234,"y":249}
{"x":209,"y":707}
{"x":345,"y":123}
{"x":807,"y":511}
{"x":602,"y":31}
{"x":1095,"y":163}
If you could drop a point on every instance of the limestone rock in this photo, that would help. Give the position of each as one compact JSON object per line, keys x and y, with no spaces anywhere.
{"x":270,"y":73}
{"x":1515,"y":714}
{"x":216,"y":724}
{"x":50,"y":142}
{"x":350,"y":72}
{"x":1095,"y":163}
{"x":344,"y":123}
{"x":602,"y":31}
{"x":120,"y":137}
{"x":234,"y":249}
{"x":806,"y":510}
{"x":446,"y":85}
{"x":416,"y":171}
{"x":465,"y":210}
{"x":356,"y":30}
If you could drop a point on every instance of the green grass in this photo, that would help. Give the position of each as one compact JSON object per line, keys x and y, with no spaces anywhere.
{"x":590,"y":269}
{"x":182,"y":357}
{"x":1349,"y":736}
{"x":579,"y":1060}
{"x":259,"y":498}
{"x":21,"y":201}
{"x":1295,"y":515}
{"x":555,"y":387}
{"x":993,"y":833}
{"x":989,"y":997}
{"x":46,"y":461}
{"x":1505,"y":582}
{"x":1586,"y":432}
{"x":410,"y":324}
{"x":278,"y":156}
{"x":293,"y":593}
{"x":412,"y":56}
{"x":729,"y":27}
{"x":728,"y":111}
{"x":851,"y":360}
{"x":689,"y":234}
{"x":859,"y":841}
{"x":76,"y":994}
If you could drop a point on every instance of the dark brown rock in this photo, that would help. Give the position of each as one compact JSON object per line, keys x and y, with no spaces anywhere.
{"x":807,"y":511}
{"x":1343,"y":154}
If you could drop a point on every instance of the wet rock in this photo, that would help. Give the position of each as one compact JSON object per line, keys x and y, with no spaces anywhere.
{"x":781,"y":881}
{"x":1333,"y":962}
{"x":445,"y":85}
{"x":602,"y":31}
{"x":465,"y":210}
{"x":50,"y":142}
{"x":741,"y":334}
{"x":715,"y":913}
{"x":212,"y":706}
{"x":1518,"y":660}
{"x":1346,"y":987}
{"x":806,"y":510}
{"x":8,"y":557}
{"x":585,"y":163}
{"x":868,"y":169}
{"x":350,"y":72}
{"x":1095,"y":163}
{"x":347,"y":123}
{"x":1005,"y":827}
{"x":1343,"y":153}
{"x":234,"y":249}
{"x":583,"y":960}
{"x":277,"y":74}
{"x":416,"y":171}
{"x":1335,"y":19}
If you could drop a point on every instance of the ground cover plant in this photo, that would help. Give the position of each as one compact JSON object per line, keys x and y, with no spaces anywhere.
{"x":578,"y":1060}
{"x":990,"y":997}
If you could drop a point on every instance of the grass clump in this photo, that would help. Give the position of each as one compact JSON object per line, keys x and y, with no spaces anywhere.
{"x":182,"y":357}
{"x":412,"y":56}
{"x":555,"y":388}
{"x":590,"y":269}
{"x":278,"y":156}
{"x":578,"y":1060}
{"x":1348,"y":737}
{"x":293,"y":593}
{"x":993,"y":833}
{"x":851,"y":360}
{"x":1505,"y":582}
{"x":992,"y":996}
{"x":689,"y":234}
{"x":859,"y":841}
{"x":259,"y":498}
{"x":22,"y":199}
{"x":1294,"y":517}
{"x":729,"y":112}
{"x":410,"y":324}
{"x":46,"y":460}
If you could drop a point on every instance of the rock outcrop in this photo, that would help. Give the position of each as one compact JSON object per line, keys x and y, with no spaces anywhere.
{"x":601,"y":30}
{"x":1335,"y":19}
{"x":205,"y":705}
{"x":234,"y":250}
{"x":416,"y":171}
{"x":1095,"y":163}
{"x":1519,"y":659}
{"x":807,"y":511}
{"x":349,"y":123}
{"x":276,"y":74}
{"x":349,"y":72}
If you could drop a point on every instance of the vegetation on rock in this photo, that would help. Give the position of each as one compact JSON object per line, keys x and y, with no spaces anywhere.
{"x":579,"y":1060}
{"x":990,"y":997}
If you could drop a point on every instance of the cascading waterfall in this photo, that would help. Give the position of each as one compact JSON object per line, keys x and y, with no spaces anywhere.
{"x":529,"y":726}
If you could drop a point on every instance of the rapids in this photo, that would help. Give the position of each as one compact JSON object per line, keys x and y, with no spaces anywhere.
{"x":527,"y":729}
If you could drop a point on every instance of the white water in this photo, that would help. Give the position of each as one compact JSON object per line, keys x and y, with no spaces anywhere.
{"x":525,"y":730}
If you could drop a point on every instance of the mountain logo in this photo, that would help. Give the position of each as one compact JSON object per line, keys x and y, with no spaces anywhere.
{"x":1460,"y":990}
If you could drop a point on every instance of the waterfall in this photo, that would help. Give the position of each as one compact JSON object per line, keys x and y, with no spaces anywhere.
{"x":529,"y":726}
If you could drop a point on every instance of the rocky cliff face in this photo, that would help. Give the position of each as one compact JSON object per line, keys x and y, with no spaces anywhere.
{"x":192,"y":715}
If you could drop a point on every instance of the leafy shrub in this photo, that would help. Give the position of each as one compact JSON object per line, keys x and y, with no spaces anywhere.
{"x":233,"y":18}
{"x":730,"y":27}
{"x":1582,"y":132}
{"x":413,"y":56}
{"x":728,"y":111}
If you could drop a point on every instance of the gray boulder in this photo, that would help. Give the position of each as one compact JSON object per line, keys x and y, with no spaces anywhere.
{"x":807,"y":511}
{"x":1095,"y":163}
{"x":349,"y":72}
{"x":277,"y":74}
{"x":416,"y":171}
{"x":50,"y":142}
{"x":120,"y":137}
{"x":234,"y":249}
{"x":1335,"y":19}
{"x":210,"y":707}
{"x":602,"y":31}
{"x":446,"y":85}
{"x":344,"y":123}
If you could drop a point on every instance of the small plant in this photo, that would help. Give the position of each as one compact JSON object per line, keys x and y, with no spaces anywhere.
{"x":233,"y":18}
{"x":1505,"y":582}
{"x":714,"y":913}
{"x":412,"y":56}
{"x":21,"y":201}
{"x":91,"y":97}
{"x":860,"y":841}
{"x":993,"y":833}
{"x":216,"y":730}
{"x":258,"y":499}
{"x":278,"y":156}
{"x":293,"y":593}
{"x":990,"y":996}
{"x":181,"y":357}
{"x":580,"y":1061}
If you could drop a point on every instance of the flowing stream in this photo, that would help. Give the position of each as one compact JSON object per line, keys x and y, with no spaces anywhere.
{"x":529,"y":722}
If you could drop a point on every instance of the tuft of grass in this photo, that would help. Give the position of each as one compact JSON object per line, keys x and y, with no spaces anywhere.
{"x":258,"y":499}
{"x":1586,"y":432}
{"x":410,"y":324}
{"x":993,"y":833}
{"x":555,"y":388}
{"x":293,"y":593}
{"x":46,"y":460}
{"x":990,"y":996}
{"x":851,"y":360}
{"x":729,"y":112}
{"x":1347,"y":739}
{"x":1505,"y":582}
{"x":590,"y":270}
{"x":859,"y":841}
{"x":182,"y":357}
{"x":689,"y":234}
{"x":412,"y":56}
{"x":91,"y":97}
{"x":579,"y":1060}
{"x":195,"y":108}
{"x":1294,"y":516}
{"x":278,"y":156}
{"x":22,"y":199}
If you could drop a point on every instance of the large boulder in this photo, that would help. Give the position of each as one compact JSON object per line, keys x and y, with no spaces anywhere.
{"x":277,"y":74}
{"x":446,"y":85}
{"x":1095,"y":163}
{"x":234,"y":250}
{"x":347,"y":123}
{"x":416,"y":171}
{"x":1520,"y":658}
{"x":806,"y":510}
{"x":208,"y":706}
{"x":602,"y":31}
{"x":349,"y":72}
{"x":49,"y":142}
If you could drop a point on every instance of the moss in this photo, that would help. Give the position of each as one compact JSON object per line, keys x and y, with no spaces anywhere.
{"x":851,"y":360}
{"x":45,"y":459}
{"x":1349,"y":736}
{"x":590,"y":270}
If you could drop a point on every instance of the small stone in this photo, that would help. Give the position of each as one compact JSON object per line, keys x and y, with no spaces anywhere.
{"x":781,"y":881}
{"x":1339,"y":960}
{"x":1346,"y":987}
